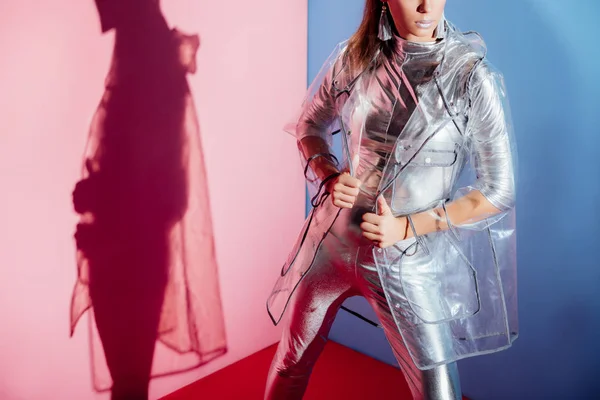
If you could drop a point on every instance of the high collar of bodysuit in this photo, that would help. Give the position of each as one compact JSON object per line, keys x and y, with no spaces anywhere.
{"x":403,"y":46}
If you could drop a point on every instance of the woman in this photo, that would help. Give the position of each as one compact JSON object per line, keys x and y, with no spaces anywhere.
{"x":416,"y":105}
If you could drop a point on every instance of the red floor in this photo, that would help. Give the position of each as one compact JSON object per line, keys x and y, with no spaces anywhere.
{"x":340,"y":374}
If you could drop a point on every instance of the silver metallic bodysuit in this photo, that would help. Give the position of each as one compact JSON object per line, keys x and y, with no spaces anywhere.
{"x":412,"y":120}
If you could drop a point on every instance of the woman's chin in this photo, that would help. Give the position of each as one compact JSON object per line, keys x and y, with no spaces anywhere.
{"x":421,"y":36}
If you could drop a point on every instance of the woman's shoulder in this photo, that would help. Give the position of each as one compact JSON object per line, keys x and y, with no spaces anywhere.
{"x":338,"y":66}
{"x":469,"y":42}
{"x":470,"y":54}
{"x":335,"y":64}
{"x":339,"y":60}
{"x":485,"y":76}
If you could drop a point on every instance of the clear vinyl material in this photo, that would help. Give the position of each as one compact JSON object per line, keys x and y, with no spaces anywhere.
{"x":423,"y":127}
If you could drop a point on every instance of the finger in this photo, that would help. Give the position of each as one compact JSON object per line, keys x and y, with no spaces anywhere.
{"x":350,"y":181}
{"x":371,"y":236}
{"x":383,"y":245}
{"x":370,"y":228}
{"x":350,"y":191}
{"x":372,"y":218}
{"x":344,"y":197}
{"x":342,"y":204}
{"x":383,"y":207}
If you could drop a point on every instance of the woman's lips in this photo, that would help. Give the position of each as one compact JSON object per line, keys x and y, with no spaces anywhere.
{"x":425,"y":24}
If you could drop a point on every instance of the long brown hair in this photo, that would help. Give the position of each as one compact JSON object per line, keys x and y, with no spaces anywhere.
{"x":364,"y":43}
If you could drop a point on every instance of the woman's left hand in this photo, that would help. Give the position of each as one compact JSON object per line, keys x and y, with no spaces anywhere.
{"x":383,"y":228}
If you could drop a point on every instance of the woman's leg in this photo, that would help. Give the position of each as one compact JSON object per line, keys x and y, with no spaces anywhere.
{"x":439,"y":383}
{"x":312,"y":311}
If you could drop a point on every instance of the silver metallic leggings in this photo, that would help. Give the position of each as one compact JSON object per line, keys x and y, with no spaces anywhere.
{"x":344,"y":268}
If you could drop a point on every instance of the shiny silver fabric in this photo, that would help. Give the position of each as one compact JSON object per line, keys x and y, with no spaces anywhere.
{"x":345,"y":267}
{"x":427,"y":125}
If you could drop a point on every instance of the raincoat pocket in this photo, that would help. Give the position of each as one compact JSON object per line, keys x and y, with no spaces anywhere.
{"x":433,"y":154}
{"x":431,"y":288}
{"x":423,"y":177}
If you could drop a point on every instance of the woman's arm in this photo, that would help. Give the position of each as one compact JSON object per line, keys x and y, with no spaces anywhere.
{"x":492,"y":154}
{"x":472,"y":207}
{"x":319,"y":150}
{"x":313,"y":129}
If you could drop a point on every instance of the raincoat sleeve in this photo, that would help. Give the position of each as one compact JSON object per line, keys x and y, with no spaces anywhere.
{"x":493,"y":152}
{"x":317,"y":119}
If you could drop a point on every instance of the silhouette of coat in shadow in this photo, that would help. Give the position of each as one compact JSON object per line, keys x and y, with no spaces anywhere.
{"x":145,"y":248}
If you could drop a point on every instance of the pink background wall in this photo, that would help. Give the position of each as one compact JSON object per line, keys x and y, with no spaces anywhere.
{"x":251,"y":77}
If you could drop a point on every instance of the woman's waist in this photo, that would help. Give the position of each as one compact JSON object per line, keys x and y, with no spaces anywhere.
{"x":401,"y":202}
{"x":414,"y":184}
{"x":346,"y":235}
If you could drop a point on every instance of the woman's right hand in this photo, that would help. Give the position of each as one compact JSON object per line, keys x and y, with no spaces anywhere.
{"x":344,"y":189}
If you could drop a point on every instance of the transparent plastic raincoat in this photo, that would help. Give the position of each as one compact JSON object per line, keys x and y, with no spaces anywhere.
{"x":458,"y":296}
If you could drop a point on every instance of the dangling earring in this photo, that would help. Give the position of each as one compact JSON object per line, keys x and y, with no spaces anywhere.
{"x":440,"y":31}
{"x":385,"y":30}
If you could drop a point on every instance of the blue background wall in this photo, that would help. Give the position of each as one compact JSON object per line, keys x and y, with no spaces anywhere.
{"x":549,"y":53}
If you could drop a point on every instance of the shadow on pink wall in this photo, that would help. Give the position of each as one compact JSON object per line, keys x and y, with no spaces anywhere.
{"x":145,"y":246}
